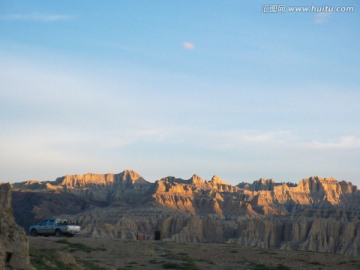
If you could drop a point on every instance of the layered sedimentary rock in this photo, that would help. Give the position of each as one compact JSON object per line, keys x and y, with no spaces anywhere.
{"x":318,"y":214}
{"x":14,"y":246}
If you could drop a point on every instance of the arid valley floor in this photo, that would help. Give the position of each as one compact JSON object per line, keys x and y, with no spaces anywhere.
{"x":89,"y":253}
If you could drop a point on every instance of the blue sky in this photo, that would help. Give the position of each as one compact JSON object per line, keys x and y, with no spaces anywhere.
{"x":177,"y":88}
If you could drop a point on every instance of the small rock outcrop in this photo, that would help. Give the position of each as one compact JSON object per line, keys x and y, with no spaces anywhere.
{"x":14,"y":245}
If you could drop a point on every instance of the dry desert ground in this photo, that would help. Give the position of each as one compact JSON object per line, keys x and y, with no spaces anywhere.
{"x":110,"y":254}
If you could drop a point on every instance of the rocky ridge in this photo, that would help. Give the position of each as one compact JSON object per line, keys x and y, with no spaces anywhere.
{"x":318,"y":214}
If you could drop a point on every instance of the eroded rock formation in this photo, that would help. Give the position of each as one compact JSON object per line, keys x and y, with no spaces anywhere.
{"x":14,"y":246}
{"x":317,"y":214}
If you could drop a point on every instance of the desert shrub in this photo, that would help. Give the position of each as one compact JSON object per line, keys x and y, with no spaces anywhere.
{"x":171,"y":265}
{"x":316,"y":263}
{"x":206,"y":261}
{"x":153,"y":261}
{"x":182,"y":266}
{"x":266,"y":267}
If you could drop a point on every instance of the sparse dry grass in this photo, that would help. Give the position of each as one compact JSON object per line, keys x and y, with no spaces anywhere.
{"x":99,"y":254}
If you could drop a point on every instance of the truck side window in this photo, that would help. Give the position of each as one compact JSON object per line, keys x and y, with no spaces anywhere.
{"x":51,"y":222}
{"x":43,"y":223}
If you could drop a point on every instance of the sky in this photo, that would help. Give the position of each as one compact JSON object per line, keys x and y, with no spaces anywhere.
{"x":176,"y":88}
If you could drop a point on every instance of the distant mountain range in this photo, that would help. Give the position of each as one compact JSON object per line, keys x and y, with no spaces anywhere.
{"x":317,"y":214}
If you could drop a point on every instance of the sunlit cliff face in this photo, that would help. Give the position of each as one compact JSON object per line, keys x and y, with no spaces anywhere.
{"x":196,"y":195}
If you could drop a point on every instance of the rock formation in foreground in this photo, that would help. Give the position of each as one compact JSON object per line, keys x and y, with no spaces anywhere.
{"x":317,"y":214}
{"x":14,"y":246}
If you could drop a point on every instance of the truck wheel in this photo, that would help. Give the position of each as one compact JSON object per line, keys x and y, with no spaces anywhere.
{"x":34,"y":233}
{"x":58,"y":233}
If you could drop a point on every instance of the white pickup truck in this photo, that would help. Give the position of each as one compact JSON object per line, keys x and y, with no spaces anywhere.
{"x":54,"y":226}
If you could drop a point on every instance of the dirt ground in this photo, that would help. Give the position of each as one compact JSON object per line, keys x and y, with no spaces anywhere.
{"x":110,"y":254}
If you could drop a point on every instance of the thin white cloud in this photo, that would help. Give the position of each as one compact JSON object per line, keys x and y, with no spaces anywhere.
{"x":234,"y":139}
{"x":37,"y":17}
{"x":345,"y":142}
{"x":188,"y":45}
{"x":322,"y":17}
